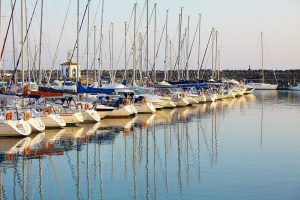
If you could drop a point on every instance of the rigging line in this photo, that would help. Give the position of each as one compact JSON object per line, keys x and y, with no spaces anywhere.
{"x":156,"y":54}
{"x":205,"y":53}
{"x":119,"y":57}
{"x":8,"y":27}
{"x":29,"y":25}
{"x":189,"y":55}
{"x":81,"y":24}
{"x":181,"y":45}
{"x":59,"y":40}
{"x":90,"y":31}
{"x":130,"y":53}
{"x":207,"y":59}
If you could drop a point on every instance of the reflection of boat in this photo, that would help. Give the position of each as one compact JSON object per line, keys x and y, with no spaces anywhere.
{"x":164,"y":116}
{"x":36,"y":141}
{"x":118,"y":122}
{"x":14,"y":145}
{"x":53,"y":135}
{"x":90,"y":128}
{"x":73,"y":133}
{"x":144,"y":119}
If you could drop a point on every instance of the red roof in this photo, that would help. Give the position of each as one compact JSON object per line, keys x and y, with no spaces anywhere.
{"x":68,"y":63}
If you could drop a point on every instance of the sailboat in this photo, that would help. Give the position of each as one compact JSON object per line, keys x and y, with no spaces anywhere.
{"x":10,"y":126}
{"x":263,"y":85}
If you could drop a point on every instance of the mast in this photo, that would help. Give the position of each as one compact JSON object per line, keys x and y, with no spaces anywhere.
{"x":141,"y":57}
{"x":87,"y":43}
{"x":112,"y":52}
{"x":154,"y":45}
{"x":216,"y":53}
{"x":77,"y":76}
{"x":212,"y":53}
{"x":262,"y":57}
{"x":100,"y":51}
{"x":94,"y":62}
{"x":187,"y":49}
{"x":27,"y":44}
{"x":13,"y":38}
{"x":179,"y":41}
{"x":40,"y":45}
{"x":166,"y":47}
{"x":147,"y":41}
{"x":125,"y":52}
{"x":199,"y":42}
{"x":134,"y":48}
{"x":22,"y":43}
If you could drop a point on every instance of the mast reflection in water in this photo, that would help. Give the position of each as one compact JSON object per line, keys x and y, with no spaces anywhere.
{"x":223,"y":150}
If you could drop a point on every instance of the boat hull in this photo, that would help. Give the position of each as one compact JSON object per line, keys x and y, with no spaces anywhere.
{"x":53,"y":121}
{"x":15,"y":128}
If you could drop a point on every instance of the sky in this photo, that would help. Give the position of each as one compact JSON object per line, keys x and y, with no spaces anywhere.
{"x":238,"y":22}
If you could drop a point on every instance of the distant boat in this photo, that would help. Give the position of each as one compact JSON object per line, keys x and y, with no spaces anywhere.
{"x":295,"y":88}
{"x":263,"y":85}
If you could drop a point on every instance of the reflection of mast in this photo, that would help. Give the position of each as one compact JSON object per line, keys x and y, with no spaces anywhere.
{"x":41,"y":178}
{"x":100,"y":173}
{"x":179,"y":159}
{"x":78,"y":174}
{"x":261,"y":120}
{"x":1,"y":191}
{"x":166,"y":161}
{"x":112,"y":161}
{"x":187,"y":154}
{"x":198,"y":147}
{"x":23,"y":178}
{"x":125,"y":157}
{"x":87,"y":169}
{"x":154,"y":163}
{"x":133,"y":165}
{"x":147,"y":164}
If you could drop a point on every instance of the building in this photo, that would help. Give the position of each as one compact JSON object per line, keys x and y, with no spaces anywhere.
{"x":69,"y":70}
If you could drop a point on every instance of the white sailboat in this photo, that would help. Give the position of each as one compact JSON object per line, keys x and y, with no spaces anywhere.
{"x":10,"y":126}
{"x":51,"y":119}
{"x":263,"y":85}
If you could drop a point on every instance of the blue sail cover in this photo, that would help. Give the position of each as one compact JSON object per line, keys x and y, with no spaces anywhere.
{"x":91,"y":90}
{"x":192,"y":85}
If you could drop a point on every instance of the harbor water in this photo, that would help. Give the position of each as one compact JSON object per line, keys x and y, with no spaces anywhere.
{"x":240,"y":148}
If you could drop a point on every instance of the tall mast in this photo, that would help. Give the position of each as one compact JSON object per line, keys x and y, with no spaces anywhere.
{"x":94,"y":59}
{"x":179,"y":41}
{"x":40,"y":45}
{"x":134,"y":46}
{"x":212,"y":53}
{"x":141,"y":57}
{"x":147,"y":41}
{"x":219,"y":60}
{"x":112,"y":52}
{"x":87,"y":43}
{"x":154,"y":45}
{"x":187,"y":49}
{"x":262,"y":57}
{"x":216,"y":52}
{"x":27,"y":44}
{"x":199,"y":42}
{"x":125,"y":51}
{"x":100,"y":52}
{"x":77,"y":74}
{"x":22,"y":43}
{"x":166,"y":47}
{"x":13,"y":40}
{"x":170,"y":58}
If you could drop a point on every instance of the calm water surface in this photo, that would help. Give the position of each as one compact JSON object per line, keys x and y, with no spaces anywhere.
{"x":243,"y":148}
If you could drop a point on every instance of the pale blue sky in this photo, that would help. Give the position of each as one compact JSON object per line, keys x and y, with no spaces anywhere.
{"x":239,"y":23}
